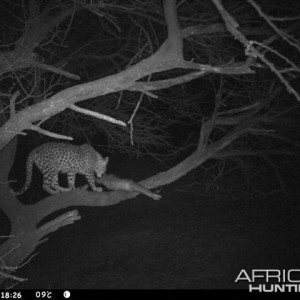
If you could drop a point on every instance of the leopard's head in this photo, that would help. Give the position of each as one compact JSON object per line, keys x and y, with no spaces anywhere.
{"x":100,"y":167}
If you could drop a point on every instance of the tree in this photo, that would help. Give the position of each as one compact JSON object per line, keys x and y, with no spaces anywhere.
{"x":216,"y":70}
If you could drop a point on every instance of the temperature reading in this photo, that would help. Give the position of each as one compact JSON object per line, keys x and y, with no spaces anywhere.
{"x":43,"y":295}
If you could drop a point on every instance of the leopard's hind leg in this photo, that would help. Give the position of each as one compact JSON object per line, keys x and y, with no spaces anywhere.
{"x":51,"y":184}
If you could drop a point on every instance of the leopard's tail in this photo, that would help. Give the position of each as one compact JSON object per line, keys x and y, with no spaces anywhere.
{"x":29,"y":164}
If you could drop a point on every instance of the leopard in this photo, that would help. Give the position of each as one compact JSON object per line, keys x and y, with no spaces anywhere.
{"x":55,"y":158}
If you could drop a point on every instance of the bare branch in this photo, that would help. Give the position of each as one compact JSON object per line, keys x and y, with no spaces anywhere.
{"x":232,"y":26}
{"x":51,"y":134}
{"x":289,"y":39}
{"x":57,"y":71}
{"x":12,"y":103}
{"x":97,"y":115}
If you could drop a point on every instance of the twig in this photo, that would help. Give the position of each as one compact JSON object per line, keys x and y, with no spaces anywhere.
{"x":12,"y":103}
{"x":57,"y":71}
{"x":237,"y":110}
{"x":137,"y":107}
{"x":132,"y":117}
{"x":6,"y":275}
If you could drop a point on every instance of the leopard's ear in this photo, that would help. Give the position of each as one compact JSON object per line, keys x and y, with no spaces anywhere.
{"x":106,"y":159}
